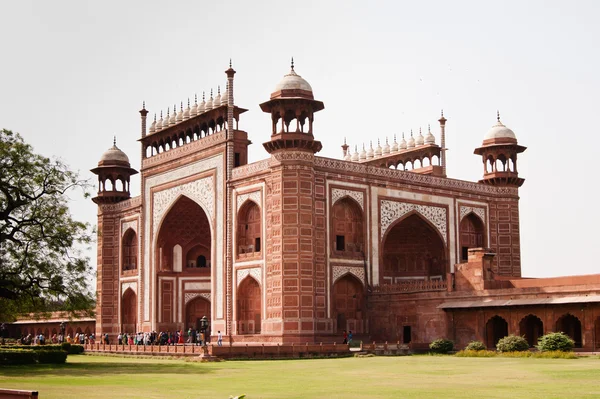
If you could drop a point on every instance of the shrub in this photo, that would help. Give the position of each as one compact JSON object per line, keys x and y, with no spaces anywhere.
{"x":512,"y":343}
{"x":476,"y":353}
{"x":34,"y":347}
{"x":75,"y":350}
{"x":475,"y":346}
{"x":441,"y":345}
{"x":10,"y":357}
{"x":66,"y":347}
{"x":557,"y":341}
{"x":51,"y":357}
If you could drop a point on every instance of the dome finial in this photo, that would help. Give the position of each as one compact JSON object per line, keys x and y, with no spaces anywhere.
{"x":498,"y":115}
{"x":292,"y":63}
{"x":195,"y":98}
{"x":114,"y":141}
{"x":230,"y":63}
{"x":219,"y":90}
{"x":143,"y":104}
{"x":442,"y":112}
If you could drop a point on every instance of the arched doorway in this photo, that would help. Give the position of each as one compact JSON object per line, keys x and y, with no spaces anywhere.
{"x":248,"y":307}
{"x":413,"y":249}
{"x":195,"y":310}
{"x":348,"y":228}
{"x":187,"y":226}
{"x":129,"y":312}
{"x":471,"y":235}
{"x":129,"y":250}
{"x":495,"y":329}
{"x":348,"y":302}
{"x":249,"y":229}
{"x":531,"y":327}
{"x":571,"y":326}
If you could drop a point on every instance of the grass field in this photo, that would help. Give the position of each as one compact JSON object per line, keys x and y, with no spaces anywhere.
{"x":91,"y":377}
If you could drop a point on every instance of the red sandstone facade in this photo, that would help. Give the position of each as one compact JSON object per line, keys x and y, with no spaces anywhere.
{"x":298,"y":248}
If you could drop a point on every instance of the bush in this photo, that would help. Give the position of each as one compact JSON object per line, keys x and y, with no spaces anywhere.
{"x":557,"y":341}
{"x":476,"y":353}
{"x":72,"y":349}
{"x":512,"y":343}
{"x":51,"y":357}
{"x":10,"y":357}
{"x":34,"y":347}
{"x":441,"y":345}
{"x":475,"y":346}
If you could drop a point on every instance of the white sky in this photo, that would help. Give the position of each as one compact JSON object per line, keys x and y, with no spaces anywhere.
{"x":74,"y":73}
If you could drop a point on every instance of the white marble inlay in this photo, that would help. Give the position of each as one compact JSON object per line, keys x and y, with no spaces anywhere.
{"x":393,"y":210}
{"x":197,"y":286}
{"x":338,"y":193}
{"x":255,"y":272}
{"x":253,"y":196}
{"x":465,"y":210}
{"x":131,"y":284}
{"x":339,"y":271}
{"x":192,"y":295}
{"x":132,"y":224}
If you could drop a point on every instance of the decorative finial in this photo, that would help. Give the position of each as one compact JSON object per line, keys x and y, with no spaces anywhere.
{"x":155,"y":117}
{"x":219,"y":90}
{"x":143,"y":104}
{"x":395,"y":136}
{"x":403,"y":135}
{"x":182,"y":105}
{"x":411,"y":134}
{"x":442,"y":113}
{"x":377,"y":141}
{"x":211,"y":93}
{"x":168,"y":111}
{"x":386,"y":140}
{"x":195,"y":98}
{"x":114,"y":141}
{"x":188,"y":102}
{"x":344,"y":141}
{"x":498,"y":115}
{"x":230,"y":63}
{"x":161,"y":114}
{"x":203,"y":97}
{"x":429,"y":128}
{"x":292,"y":63}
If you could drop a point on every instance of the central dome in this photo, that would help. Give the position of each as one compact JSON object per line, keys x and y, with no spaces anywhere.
{"x":500,"y":131}
{"x":293,"y":81}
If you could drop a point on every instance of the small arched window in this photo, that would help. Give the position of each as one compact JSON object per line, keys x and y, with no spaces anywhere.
{"x":249,"y":229}
{"x":129,"y":250}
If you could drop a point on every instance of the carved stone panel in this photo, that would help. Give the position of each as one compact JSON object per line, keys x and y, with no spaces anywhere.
{"x":393,"y":210}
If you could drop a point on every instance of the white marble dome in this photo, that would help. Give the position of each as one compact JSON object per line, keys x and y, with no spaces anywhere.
{"x":499,"y":131}
{"x":293,"y":81}
{"x":114,"y":154}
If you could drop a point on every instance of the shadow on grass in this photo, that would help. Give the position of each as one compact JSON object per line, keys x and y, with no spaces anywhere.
{"x":104,"y":368}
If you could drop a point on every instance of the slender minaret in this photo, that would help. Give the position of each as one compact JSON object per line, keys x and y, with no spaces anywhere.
{"x":143,"y":113}
{"x":442,"y":121}
{"x":230,"y":159}
{"x":345,"y":148}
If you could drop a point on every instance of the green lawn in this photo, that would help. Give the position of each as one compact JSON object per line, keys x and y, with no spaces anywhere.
{"x":90,"y":377}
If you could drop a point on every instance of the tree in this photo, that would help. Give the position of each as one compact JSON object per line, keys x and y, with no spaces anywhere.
{"x":41,"y":259}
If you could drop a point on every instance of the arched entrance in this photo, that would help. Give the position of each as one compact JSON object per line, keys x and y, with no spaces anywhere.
{"x":413,"y":249}
{"x":348,"y":302}
{"x":129,"y":312}
{"x":185,"y":228}
{"x":531,"y":327}
{"x":195,"y":310}
{"x":495,"y":329}
{"x":248,"y":307}
{"x":471,"y":235}
{"x":129,"y":250}
{"x":348,"y":228}
{"x":249,"y":229}
{"x":571,"y":326}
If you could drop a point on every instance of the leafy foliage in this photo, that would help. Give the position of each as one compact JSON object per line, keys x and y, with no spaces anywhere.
{"x":10,"y":357}
{"x":41,"y":263}
{"x":512,"y":343}
{"x":441,"y":345}
{"x":537,"y":355}
{"x":557,"y":341}
{"x":52,"y":357}
{"x":475,"y":346}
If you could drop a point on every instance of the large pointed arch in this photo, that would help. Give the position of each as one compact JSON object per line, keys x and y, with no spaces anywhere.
{"x":412,"y":248}
{"x":570,"y":325}
{"x":496,"y":328}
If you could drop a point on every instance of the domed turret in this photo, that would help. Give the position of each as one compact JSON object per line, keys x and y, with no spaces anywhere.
{"x":292,"y":107}
{"x":113,"y":173}
{"x":499,"y":154}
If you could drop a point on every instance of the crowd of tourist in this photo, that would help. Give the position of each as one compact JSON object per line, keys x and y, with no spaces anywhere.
{"x":40,"y":339}
{"x":194,"y":337}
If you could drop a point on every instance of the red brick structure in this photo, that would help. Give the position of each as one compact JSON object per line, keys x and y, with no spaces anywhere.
{"x":297,"y":248}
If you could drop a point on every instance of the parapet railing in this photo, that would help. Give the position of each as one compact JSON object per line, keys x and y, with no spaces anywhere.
{"x":408,"y":286}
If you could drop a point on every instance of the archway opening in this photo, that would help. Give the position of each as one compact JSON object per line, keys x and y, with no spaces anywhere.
{"x":348,"y":228}
{"x":129,"y":250}
{"x":495,"y":329}
{"x":471,"y":235}
{"x":249,"y":228}
{"x":129,"y":312}
{"x":248,"y":307}
{"x":185,"y":225}
{"x":348,"y":304}
{"x":571,"y":326}
{"x":531,"y":327}
{"x":413,"y":250}
{"x":194,"y":311}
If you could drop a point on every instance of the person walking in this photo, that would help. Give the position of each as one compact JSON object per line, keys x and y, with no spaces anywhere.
{"x":349,"y":337}
{"x":219,"y":338}
{"x":345,"y":338}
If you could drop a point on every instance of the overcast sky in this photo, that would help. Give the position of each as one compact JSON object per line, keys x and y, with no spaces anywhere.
{"x":75,"y":73}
